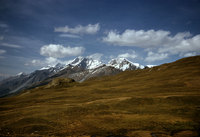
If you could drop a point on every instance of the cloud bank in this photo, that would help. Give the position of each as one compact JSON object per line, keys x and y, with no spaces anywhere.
{"x":151,"y":56}
{"x":190,"y":54}
{"x":159,"y":44}
{"x":46,"y":62}
{"x":59,"y":51}
{"x":140,"y":38}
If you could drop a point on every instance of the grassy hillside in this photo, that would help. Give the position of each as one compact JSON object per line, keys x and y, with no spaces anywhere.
{"x":162,"y":101}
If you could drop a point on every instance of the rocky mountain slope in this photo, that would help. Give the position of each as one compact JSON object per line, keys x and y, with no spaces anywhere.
{"x":24,"y":81}
{"x":79,"y":69}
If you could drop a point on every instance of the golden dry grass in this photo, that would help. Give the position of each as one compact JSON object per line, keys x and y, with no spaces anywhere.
{"x":162,"y":101}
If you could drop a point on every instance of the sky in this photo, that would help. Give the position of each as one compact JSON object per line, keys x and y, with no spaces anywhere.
{"x":37,"y":33}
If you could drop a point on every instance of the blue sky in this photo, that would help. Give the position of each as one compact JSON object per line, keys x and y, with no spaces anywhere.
{"x":35,"y":33}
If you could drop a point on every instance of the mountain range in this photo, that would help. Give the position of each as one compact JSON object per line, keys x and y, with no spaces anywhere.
{"x":163,"y":101}
{"x":79,"y":69}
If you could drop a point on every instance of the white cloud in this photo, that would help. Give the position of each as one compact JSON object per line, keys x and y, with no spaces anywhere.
{"x":89,"y":29}
{"x":131,"y":55}
{"x":42,"y":63}
{"x":10,"y":45}
{"x":69,"y":35}
{"x":52,"y":61}
{"x":160,"y":40}
{"x":96,"y":56}
{"x":45,"y":62}
{"x":49,"y":61}
{"x":59,"y":51}
{"x":2,"y":51}
{"x":140,"y":38}
{"x":53,"y":52}
{"x":189,"y":54}
{"x":151,"y":56}
{"x":35,"y":62}
{"x":181,"y":45}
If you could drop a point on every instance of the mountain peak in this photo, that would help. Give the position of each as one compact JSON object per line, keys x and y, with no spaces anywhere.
{"x":77,"y":60}
{"x":123,"y":64}
{"x":47,"y":67}
{"x":21,"y":73}
{"x":85,"y":62}
{"x":118,"y":60}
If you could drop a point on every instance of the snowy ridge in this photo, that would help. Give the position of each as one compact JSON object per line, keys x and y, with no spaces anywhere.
{"x":90,"y":64}
{"x":150,"y":66}
{"x":124,"y":64}
{"x":76,"y":61}
{"x":86,"y":63}
{"x":20,"y":73}
{"x":47,"y":67}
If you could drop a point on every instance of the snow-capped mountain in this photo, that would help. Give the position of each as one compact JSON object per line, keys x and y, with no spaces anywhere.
{"x":79,"y":69}
{"x":55,"y":68}
{"x":89,"y":64}
{"x":21,"y":73}
{"x":150,"y":66}
{"x":46,"y":67}
{"x":23,"y":81}
{"x":86,"y":63}
{"x":124,"y":64}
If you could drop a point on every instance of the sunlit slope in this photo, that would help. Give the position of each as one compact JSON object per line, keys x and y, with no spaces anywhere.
{"x":160,"y":101}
